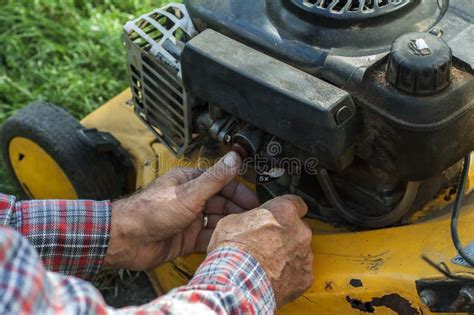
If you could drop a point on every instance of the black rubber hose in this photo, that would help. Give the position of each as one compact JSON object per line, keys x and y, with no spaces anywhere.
{"x":457,"y":210}
{"x":362,"y":220}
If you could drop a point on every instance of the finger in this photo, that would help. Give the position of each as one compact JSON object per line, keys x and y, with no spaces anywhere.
{"x":211,"y":181}
{"x":172,"y":248}
{"x":190,"y":236}
{"x":288,"y":203}
{"x":203,"y":240}
{"x":221,"y":205}
{"x":176,"y":176}
{"x":307,"y":233}
{"x":187,"y":174}
{"x":183,"y":174}
{"x":241,"y":195}
{"x":212,"y":220}
{"x":308,"y":271}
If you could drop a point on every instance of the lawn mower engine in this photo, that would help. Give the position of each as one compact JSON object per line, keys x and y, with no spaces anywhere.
{"x":362,"y":107}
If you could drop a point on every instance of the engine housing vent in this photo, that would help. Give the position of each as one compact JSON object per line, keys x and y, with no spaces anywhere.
{"x":154,"y":42}
{"x":351,"y":8}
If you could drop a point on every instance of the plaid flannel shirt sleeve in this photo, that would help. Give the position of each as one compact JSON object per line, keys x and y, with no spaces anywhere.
{"x":229,"y":281}
{"x":70,"y":236}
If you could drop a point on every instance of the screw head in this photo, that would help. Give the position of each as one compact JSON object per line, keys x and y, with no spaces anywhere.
{"x":436,"y":32}
{"x":428,"y":297}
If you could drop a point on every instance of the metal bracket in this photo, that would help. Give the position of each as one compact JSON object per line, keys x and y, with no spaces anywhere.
{"x":100,"y":141}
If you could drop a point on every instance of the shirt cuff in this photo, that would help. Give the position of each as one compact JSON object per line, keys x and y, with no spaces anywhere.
{"x":232,"y":266}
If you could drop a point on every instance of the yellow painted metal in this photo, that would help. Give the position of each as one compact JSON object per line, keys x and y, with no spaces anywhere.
{"x":38,"y":173}
{"x":387,"y":262}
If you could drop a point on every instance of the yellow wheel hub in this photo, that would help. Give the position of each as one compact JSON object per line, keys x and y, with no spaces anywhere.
{"x":37,"y":172}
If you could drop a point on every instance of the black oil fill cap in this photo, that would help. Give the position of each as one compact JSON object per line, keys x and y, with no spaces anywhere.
{"x":419,"y":64}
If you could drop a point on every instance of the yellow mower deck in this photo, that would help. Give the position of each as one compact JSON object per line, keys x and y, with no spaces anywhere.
{"x":354,"y":272}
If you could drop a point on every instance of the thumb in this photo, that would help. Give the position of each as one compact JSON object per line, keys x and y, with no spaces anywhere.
{"x":214,"y":179}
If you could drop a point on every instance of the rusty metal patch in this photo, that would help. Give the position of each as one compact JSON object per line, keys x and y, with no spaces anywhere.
{"x":356,"y":283}
{"x":393,"y":301}
{"x":396,"y":303}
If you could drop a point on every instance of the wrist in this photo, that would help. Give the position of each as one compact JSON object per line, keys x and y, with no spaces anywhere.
{"x":122,"y":233}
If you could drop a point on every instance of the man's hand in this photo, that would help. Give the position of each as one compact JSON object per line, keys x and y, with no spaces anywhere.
{"x":278,"y":239}
{"x":165,"y":220}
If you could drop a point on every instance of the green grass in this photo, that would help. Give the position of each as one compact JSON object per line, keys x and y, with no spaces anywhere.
{"x":68,"y":52}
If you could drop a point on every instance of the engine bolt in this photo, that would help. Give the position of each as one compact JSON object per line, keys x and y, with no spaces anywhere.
{"x":436,"y":32}
{"x":428,"y":297}
{"x":468,"y":294}
{"x":465,"y":297}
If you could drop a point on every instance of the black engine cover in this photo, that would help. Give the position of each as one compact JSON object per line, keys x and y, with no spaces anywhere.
{"x":279,"y":99}
{"x":347,"y":44}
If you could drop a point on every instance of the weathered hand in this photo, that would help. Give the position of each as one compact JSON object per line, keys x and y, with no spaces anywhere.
{"x":278,"y":239}
{"x":165,"y":220}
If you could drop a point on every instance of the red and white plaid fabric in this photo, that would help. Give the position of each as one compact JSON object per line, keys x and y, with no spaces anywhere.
{"x":71,"y":237}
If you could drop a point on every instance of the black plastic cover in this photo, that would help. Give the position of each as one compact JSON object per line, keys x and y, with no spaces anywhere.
{"x":270,"y":95}
{"x":411,"y":136}
{"x":304,"y":39}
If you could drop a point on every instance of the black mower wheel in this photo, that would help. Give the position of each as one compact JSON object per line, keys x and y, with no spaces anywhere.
{"x":44,"y":153}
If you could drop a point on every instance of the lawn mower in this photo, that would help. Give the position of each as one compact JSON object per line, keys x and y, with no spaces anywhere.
{"x":364,"y":108}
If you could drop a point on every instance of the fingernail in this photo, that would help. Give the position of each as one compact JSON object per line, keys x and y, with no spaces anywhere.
{"x":231,"y":159}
